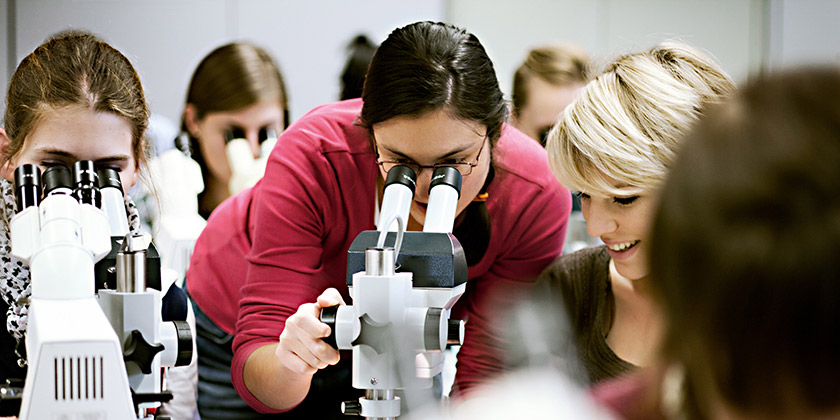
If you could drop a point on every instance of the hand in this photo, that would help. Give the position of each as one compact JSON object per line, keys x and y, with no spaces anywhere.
{"x":301,"y":348}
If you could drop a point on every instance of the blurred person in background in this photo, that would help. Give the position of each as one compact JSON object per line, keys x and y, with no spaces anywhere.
{"x":360,"y":52}
{"x":544,"y":85}
{"x":237,"y":91}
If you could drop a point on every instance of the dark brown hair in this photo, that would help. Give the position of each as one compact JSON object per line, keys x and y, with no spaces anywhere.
{"x":427,"y":66}
{"x":74,"y":68}
{"x":744,"y":254}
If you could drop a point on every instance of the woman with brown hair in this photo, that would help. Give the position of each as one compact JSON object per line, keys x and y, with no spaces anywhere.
{"x":74,"y":98}
{"x":237,"y":91}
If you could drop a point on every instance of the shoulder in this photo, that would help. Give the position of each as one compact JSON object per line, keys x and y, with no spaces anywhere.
{"x":520,"y":157}
{"x":524,"y":185}
{"x":579,"y":266}
{"x":328,"y":128}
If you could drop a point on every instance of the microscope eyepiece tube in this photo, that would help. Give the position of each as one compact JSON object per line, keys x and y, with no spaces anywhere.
{"x":27,"y":186}
{"x":379,"y":261}
{"x":86,"y":184}
{"x":110,"y":187}
{"x":397,"y":195}
{"x":444,"y":191}
{"x":58,"y":180}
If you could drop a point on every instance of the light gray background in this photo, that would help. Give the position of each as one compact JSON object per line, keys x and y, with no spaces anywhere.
{"x":165,"y":39}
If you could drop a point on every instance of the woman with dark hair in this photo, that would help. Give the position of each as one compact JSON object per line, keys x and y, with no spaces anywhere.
{"x":360,"y":52}
{"x":431,"y":98}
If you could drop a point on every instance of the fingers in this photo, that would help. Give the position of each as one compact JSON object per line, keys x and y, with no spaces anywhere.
{"x":301,"y":348}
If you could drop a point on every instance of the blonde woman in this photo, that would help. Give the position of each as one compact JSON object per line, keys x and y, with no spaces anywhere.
{"x":614,"y":146}
{"x":544,"y":85}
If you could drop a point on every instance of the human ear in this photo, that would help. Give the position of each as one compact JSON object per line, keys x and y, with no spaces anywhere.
{"x":7,"y":169}
{"x":191,"y":120}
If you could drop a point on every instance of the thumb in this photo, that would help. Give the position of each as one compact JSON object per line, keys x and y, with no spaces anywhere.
{"x":330,"y":297}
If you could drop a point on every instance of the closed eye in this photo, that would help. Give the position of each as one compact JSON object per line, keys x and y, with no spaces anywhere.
{"x":626,"y":201}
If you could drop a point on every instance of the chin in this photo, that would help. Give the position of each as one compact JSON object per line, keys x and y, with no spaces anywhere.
{"x":631,"y":271}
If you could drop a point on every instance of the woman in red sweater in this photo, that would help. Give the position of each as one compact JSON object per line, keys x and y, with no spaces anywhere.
{"x":273,"y":256}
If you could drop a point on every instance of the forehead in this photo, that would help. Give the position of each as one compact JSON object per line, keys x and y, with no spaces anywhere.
{"x":81,"y":132}
{"x":433,"y":134}
{"x":549,"y":99}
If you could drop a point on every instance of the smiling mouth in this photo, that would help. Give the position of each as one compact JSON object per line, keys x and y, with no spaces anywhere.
{"x":623,"y":246}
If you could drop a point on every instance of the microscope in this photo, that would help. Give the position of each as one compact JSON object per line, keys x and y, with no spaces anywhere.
{"x":88,"y":356}
{"x":245,"y":169}
{"x":179,"y":224}
{"x":398,"y":324}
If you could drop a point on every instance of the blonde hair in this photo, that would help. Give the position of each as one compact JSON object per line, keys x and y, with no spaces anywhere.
{"x":558,"y":64}
{"x":626,"y":125}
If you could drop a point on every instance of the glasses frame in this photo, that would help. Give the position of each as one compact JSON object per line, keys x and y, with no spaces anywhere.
{"x":382,"y":163}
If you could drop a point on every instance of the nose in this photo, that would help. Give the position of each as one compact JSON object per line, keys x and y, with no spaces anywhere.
{"x":599,"y":220}
{"x":424,"y":179}
{"x":254,"y":142}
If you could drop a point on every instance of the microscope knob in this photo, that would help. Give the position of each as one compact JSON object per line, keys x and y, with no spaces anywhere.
{"x":140,"y":351}
{"x":329,"y":316}
{"x":455,"y":332}
{"x":351,"y":408}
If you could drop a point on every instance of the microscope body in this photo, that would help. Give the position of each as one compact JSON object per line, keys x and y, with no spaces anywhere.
{"x":246,"y":169}
{"x":398,"y":324}
{"x":75,"y":358}
{"x":178,"y":225}
{"x":79,"y":345}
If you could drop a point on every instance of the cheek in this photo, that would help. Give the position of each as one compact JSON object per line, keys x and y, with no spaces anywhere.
{"x":128,"y":179}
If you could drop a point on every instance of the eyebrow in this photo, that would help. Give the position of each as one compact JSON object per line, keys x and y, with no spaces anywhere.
{"x":450,"y":154}
{"x":65,"y":154}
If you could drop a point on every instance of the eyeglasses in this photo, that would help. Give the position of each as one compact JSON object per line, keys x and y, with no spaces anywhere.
{"x":465,"y":168}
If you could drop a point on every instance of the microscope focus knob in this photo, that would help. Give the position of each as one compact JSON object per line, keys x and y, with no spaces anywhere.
{"x":329,"y":315}
{"x":141,"y":352}
{"x":351,"y":408}
{"x":455,"y":332}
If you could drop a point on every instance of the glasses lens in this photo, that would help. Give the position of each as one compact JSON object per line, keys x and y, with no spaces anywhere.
{"x":463,"y":168}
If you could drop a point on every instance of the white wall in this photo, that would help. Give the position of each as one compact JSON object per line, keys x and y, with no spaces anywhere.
{"x":165,"y":39}
{"x":729,"y":29}
{"x":804,"y":32}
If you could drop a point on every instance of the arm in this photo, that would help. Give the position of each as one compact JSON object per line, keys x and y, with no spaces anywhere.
{"x":289,"y":364}
{"x":315,"y":197}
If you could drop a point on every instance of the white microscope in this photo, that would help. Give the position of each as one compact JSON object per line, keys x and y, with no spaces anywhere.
{"x":79,"y":346}
{"x":245,"y":169}
{"x":398,"y":325}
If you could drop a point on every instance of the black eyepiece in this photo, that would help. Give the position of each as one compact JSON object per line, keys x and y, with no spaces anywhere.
{"x":57,"y":178}
{"x":402,"y":174}
{"x":86,"y":183}
{"x":27,"y":186}
{"x":109,"y":177}
{"x":446,"y":175}
{"x":233,"y":134}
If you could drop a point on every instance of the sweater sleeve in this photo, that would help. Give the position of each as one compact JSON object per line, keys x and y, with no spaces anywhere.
{"x":285,"y":266}
{"x":532,"y":241}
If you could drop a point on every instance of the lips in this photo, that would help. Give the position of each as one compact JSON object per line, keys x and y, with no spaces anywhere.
{"x":621,"y":250}
{"x":422,"y":206}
